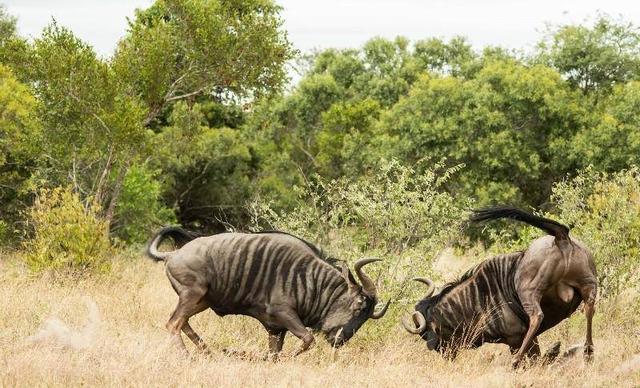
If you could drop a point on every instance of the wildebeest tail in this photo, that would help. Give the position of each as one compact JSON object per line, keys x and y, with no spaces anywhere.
{"x":179,"y":236}
{"x":554,"y":228}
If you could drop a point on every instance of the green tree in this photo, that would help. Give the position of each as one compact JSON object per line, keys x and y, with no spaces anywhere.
{"x":7,"y":25}
{"x":611,"y":143}
{"x":323,"y":124}
{"x":140,"y":209}
{"x":206,"y":171}
{"x":180,"y":49}
{"x":214,"y":55}
{"x":92,"y":128}
{"x":13,"y":49}
{"x":594,"y":58}
{"x":506,"y":126}
{"x":18,"y":128}
{"x":448,"y":58}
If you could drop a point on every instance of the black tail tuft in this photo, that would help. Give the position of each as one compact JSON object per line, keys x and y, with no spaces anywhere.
{"x":554,"y":228}
{"x":179,"y":236}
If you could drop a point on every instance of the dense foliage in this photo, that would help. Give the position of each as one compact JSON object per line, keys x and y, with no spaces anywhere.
{"x":385,"y":146}
{"x":68,"y":237}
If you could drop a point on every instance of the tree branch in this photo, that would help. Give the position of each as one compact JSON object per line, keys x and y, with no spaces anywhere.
{"x":186,"y":95}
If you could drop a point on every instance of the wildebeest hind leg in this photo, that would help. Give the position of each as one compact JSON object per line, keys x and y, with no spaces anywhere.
{"x":190,"y":303}
{"x":588,"y":294}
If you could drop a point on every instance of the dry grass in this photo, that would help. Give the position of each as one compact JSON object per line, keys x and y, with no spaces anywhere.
{"x":124,"y":343}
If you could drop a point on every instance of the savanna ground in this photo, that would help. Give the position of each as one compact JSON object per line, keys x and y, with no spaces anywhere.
{"x":51,"y":336}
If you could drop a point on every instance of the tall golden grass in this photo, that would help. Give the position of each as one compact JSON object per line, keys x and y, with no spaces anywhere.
{"x":109,"y":331}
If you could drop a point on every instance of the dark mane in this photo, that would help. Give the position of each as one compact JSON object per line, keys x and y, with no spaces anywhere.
{"x":319,"y":252}
{"x":448,"y":287}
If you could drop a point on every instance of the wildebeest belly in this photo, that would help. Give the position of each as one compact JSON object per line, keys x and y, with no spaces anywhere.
{"x":231,"y":305}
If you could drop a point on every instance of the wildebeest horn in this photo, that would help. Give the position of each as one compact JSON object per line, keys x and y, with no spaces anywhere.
{"x":429,"y":283}
{"x":418,"y":320}
{"x":379,"y":314}
{"x":367,"y":284}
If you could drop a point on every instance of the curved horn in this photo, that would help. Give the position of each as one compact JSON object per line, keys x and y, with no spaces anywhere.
{"x":429,"y":283}
{"x":417,"y":319}
{"x":379,"y":314}
{"x":367,"y":284}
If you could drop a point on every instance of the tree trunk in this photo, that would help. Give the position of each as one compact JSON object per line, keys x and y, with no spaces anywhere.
{"x":99,"y":193}
{"x":115,"y":195}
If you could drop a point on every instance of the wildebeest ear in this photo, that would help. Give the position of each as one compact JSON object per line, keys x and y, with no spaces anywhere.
{"x":348,"y":276}
{"x":352,"y":280}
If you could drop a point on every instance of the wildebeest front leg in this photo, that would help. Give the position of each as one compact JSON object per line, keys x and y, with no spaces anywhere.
{"x":276,"y":341}
{"x":588,"y":294}
{"x":195,"y":338}
{"x":292,"y":322}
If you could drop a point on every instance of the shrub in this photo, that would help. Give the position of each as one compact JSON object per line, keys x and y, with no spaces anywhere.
{"x":68,"y":237}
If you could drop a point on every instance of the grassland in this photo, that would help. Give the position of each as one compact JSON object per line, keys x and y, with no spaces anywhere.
{"x":48,"y":337}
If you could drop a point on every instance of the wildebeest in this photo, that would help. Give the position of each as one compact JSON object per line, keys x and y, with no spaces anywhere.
{"x":511,"y":298}
{"x":284,"y":282}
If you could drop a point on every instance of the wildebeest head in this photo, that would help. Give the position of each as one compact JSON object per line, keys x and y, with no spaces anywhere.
{"x":354,"y":307}
{"x":422,"y":321}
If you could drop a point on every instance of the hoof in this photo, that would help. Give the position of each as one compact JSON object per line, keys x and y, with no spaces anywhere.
{"x":236,"y":353}
{"x":516,"y":363}
{"x":271,"y":357}
{"x":588,"y":353}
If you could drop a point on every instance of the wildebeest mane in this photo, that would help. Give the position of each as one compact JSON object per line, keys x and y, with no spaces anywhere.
{"x":448,"y":287}
{"x":319,"y":252}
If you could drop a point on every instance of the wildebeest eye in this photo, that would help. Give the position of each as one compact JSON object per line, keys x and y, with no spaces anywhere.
{"x":359,"y":303}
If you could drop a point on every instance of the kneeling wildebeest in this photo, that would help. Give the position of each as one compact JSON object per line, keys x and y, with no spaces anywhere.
{"x":511,"y":298}
{"x":279,"y":279}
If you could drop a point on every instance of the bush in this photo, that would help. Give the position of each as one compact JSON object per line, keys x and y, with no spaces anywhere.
{"x":604,"y":212}
{"x":68,"y":237}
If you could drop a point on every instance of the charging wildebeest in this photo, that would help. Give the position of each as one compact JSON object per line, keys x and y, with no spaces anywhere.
{"x":284,"y":282}
{"x":511,"y":298}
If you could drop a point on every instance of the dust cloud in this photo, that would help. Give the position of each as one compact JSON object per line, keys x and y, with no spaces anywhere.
{"x":54,"y":332}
